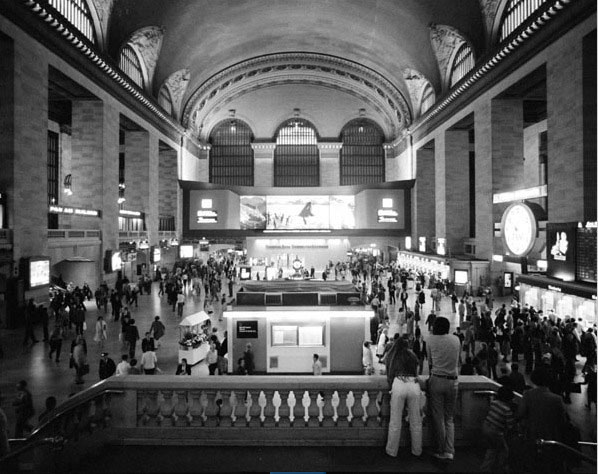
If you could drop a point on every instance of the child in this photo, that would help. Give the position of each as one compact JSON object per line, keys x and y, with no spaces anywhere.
{"x":499,"y":421}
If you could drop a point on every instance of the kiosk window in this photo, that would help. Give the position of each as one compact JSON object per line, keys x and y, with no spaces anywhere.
{"x":297,"y":335}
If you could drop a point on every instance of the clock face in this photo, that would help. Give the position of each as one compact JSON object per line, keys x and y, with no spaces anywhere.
{"x":519,"y":229}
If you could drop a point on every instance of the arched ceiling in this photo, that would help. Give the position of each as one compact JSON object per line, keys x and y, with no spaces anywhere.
{"x":208,"y":37}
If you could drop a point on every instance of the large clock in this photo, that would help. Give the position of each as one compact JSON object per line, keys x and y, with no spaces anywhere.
{"x":519,"y":229}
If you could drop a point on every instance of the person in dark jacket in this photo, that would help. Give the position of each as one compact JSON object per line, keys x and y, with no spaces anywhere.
{"x":131,"y":336}
{"x":183,"y":368}
{"x":107,"y":366}
{"x":147,"y":343}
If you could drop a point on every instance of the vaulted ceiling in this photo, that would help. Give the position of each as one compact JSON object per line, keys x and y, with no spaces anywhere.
{"x":328,"y":58}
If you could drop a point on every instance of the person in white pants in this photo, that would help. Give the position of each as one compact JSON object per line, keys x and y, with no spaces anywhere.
{"x":401,"y":371}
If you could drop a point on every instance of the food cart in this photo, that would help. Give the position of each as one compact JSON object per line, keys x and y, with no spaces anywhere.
{"x":193,"y":341}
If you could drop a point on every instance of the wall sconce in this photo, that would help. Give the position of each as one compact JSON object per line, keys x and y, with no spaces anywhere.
{"x":121,"y":193}
{"x":68,"y":182}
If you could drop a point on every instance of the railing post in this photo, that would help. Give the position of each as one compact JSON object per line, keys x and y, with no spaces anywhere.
{"x":181,"y":409}
{"x":195,"y":408}
{"x":342,"y":410}
{"x":165,"y":415}
{"x":359,"y":415}
{"x":268,"y":410}
{"x":327,"y":412}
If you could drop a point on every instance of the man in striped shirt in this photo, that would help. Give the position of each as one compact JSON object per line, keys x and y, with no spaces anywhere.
{"x":499,"y":421}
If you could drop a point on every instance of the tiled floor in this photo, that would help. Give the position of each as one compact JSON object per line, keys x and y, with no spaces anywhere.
{"x":45,"y":377}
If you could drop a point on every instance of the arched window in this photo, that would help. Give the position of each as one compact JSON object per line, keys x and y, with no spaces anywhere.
{"x":515,"y":13}
{"x":165,"y":100}
{"x":77,"y":13}
{"x":296,"y":157}
{"x":130,"y":65}
{"x":231,"y":155}
{"x":428,"y":99}
{"x":462,"y":64}
{"x":362,"y":154}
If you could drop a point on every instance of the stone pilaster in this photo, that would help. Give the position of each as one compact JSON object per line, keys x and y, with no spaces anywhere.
{"x":168,"y":185}
{"x":484,"y":222}
{"x":330,"y":163}
{"x":425,"y":196}
{"x":153,"y":194}
{"x":263,"y":164}
{"x":456,"y":154}
{"x":137,"y":170}
{"x":564,"y":90}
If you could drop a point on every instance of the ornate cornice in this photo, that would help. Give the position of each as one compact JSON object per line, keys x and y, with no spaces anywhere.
{"x":177,"y":84}
{"x":445,"y":40}
{"x":489,"y":10}
{"x":292,"y":68}
{"x":148,"y":42}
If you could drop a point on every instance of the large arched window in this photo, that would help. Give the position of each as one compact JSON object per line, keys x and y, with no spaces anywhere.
{"x":462,"y":64}
{"x":231,"y":155}
{"x":77,"y":13}
{"x":362,"y":154}
{"x":296,"y":157}
{"x":165,"y":100}
{"x":515,"y":13}
{"x":129,"y":64}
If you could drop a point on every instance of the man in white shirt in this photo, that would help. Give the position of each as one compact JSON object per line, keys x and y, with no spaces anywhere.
{"x":123,"y":366}
{"x":149,"y":362}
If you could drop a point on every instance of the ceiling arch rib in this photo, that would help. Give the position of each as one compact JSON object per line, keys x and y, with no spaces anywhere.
{"x":416,"y":83}
{"x":177,"y":84}
{"x":307,"y":68}
{"x":148,"y":43}
{"x":446,"y":41}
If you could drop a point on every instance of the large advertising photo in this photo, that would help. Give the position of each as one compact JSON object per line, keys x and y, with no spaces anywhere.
{"x":297,"y":212}
{"x":560,"y":250}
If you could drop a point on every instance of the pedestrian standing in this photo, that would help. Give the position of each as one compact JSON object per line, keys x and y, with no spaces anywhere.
{"x":443,"y":357}
{"x":56,"y":343}
{"x":101,"y":332}
{"x":23,"y":408}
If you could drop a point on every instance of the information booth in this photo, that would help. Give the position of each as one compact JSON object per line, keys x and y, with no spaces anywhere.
{"x":193,"y":342}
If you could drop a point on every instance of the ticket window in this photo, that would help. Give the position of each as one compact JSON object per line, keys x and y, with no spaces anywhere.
{"x":564,"y":307}
{"x":531,"y":297}
{"x":548,"y":301}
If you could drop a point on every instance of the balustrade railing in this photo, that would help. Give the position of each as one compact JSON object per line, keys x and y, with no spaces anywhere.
{"x":240,"y":410}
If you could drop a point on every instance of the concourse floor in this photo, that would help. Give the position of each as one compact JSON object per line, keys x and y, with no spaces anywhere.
{"x":45,"y":377}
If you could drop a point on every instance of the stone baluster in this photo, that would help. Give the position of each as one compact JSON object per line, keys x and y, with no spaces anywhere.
{"x":365,"y":401}
{"x":357,"y":410}
{"x":181,"y":409}
{"x":283,"y":411}
{"x":226,"y":409}
{"x":165,"y":415}
{"x":292,"y":402}
{"x":152,"y":408}
{"x":255,"y":409}
{"x":326,"y":417}
{"x":195,"y":408}
{"x":313,"y":409}
{"x":276,"y":403}
{"x":344,"y":410}
{"x":106,"y":413}
{"x":335,"y":402}
{"x":212,"y":408}
{"x":234,"y":403}
{"x":305,"y":402}
{"x":248,"y":404}
{"x":267,"y":412}
{"x":218,"y":403}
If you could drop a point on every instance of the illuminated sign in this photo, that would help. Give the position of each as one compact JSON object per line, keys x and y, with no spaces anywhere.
{"x":561,"y":250}
{"x":422,"y":244}
{"x":408,"y":243}
{"x":186,"y":251}
{"x":508,"y":279}
{"x":116,"y":261}
{"x":156,"y":255}
{"x":461,"y":277}
{"x":521,"y":194}
{"x":206,"y":204}
{"x":554,"y":288}
{"x":39,"y":273}
{"x":246,"y":329}
{"x":77,"y":211}
{"x":387,"y":203}
{"x":441,"y":246}
{"x":560,"y":247}
{"x":388,"y":215}
{"x":127,"y":213}
{"x":207,"y":217}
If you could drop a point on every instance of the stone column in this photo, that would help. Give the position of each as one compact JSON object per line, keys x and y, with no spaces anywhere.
{"x":564,"y":91}
{"x":424,"y":196}
{"x":456,"y":157}
{"x":484,"y":221}
{"x":263,"y":164}
{"x":168,"y":182}
{"x":330,"y":163}
{"x":507,"y":148}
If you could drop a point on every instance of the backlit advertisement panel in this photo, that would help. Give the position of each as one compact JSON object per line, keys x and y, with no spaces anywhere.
{"x":39,"y":273}
{"x":342,"y":212}
{"x":253,"y":212}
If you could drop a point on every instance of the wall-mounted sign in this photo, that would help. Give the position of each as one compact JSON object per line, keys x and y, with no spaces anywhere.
{"x":246,"y":329}
{"x":39,"y":272}
{"x":156,"y":254}
{"x":508,"y":279}
{"x":422,"y":244}
{"x":560,"y":250}
{"x":521,"y":194}
{"x":519,"y":229}
{"x":127,"y":213}
{"x":388,"y":215}
{"x":207,"y":216}
{"x":407,"y":243}
{"x":461,"y":277}
{"x":441,"y":246}
{"x":77,"y":211}
{"x":186,"y":251}
{"x":204,"y":245}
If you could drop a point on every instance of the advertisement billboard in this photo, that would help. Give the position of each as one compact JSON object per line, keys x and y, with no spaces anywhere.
{"x":253,"y":212}
{"x":560,"y":250}
{"x":39,"y":272}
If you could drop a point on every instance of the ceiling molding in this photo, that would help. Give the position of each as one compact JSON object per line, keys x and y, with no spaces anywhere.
{"x":177,"y":84}
{"x":445,"y":40}
{"x":416,"y":83}
{"x":148,"y":43}
{"x":306,"y":68}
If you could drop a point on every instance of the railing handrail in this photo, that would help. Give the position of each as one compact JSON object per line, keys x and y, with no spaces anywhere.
{"x":54,"y":441}
{"x":550,"y":442}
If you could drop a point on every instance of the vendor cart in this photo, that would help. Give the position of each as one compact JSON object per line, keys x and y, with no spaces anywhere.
{"x":193,"y":343}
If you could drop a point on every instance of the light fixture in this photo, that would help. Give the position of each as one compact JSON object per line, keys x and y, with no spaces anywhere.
{"x":121,"y":193}
{"x":233,"y":126}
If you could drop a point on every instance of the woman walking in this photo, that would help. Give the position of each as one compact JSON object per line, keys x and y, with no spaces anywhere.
{"x":401,"y":372}
{"x":100,"y":335}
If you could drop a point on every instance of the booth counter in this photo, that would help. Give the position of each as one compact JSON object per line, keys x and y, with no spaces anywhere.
{"x":193,"y":343}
